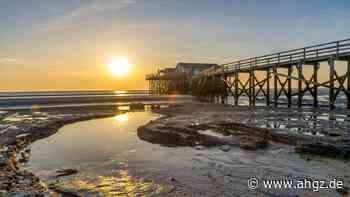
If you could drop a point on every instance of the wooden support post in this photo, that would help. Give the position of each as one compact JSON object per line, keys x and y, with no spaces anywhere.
{"x":253,"y":87}
{"x":250,"y":88}
{"x":300,"y":84}
{"x":289,"y":81}
{"x":275,"y":86}
{"x":165,"y":89}
{"x":159,"y":86}
{"x":213,"y":89}
{"x":315,"y":92}
{"x":236,"y":88}
{"x":225,"y":90}
{"x":268,"y":74}
{"x":348,"y":84}
{"x":331,"y":83}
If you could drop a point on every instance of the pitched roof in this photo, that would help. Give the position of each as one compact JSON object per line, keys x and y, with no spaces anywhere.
{"x":196,"y":65}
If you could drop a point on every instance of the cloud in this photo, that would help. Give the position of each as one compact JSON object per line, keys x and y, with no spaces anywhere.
{"x":8,"y":60}
{"x":82,"y":14}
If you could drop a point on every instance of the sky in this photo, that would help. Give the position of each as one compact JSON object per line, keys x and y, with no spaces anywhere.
{"x":65,"y":44}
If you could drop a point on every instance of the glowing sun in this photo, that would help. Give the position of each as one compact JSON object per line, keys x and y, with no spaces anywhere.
{"x":119,"y":66}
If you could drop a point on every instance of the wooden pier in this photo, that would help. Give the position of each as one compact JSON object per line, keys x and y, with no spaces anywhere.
{"x":170,"y":83}
{"x":272,"y":76}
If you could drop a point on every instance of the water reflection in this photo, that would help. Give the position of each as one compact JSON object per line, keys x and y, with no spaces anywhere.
{"x":122,"y":117}
{"x":112,"y":161}
{"x":302,"y":121}
{"x":101,"y":151}
{"x":124,"y":108}
{"x":120,"y":184}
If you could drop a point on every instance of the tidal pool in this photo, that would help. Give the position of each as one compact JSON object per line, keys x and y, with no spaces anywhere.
{"x":113,"y":161}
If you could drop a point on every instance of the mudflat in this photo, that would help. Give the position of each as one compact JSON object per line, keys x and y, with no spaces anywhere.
{"x":316,"y":136}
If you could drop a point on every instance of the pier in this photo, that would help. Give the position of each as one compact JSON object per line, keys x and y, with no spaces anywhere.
{"x":270,"y":77}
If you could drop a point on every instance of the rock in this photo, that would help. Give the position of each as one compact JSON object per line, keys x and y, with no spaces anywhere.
{"x":344,"y":191}
{"x":63,"y":191}
{"x":9,"y":129}
{"x":248,"y":145}
{"x":24,"y":157}
{"x":225,"y":148}
{"x":334,"y":134}
{"x":3,"y":192}
{"x":66,"y":172}
{"x":18,"y":194}
{"x":252,"y":143}
{"x":165,"y":136}
{"x":172,"y":179}
{"x":3,"y":162}
{"x":325,"y":149}
{"x":199,"y":147}
{"x":22,"y":135}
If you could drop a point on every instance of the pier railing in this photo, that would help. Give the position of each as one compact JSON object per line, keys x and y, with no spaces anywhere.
{"x":276,"y":79}
{"x":315,"y":51}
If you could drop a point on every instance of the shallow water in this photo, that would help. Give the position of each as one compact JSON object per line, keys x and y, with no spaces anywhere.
{"x":112,"y":161}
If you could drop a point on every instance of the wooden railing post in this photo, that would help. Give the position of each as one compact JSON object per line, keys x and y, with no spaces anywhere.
{"x":300,"y":84}
{"x":337,"y":53}
{"x":253,"y":86}
{"x":275,"y":85}
{"x":289,"y":95}
{"x":250,"y":85}
{"x":315,"y":92}
{"x":236,"y":87}
{"x":348,"y":84}
{"x":268,"y":74}
{"x":331,"y":83}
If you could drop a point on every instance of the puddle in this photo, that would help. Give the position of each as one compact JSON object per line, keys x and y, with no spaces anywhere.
{"x":113,"y":161}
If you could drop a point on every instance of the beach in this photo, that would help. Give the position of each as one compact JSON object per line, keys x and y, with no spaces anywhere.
{"x":200,"y":127}
{"x":134,"y":98}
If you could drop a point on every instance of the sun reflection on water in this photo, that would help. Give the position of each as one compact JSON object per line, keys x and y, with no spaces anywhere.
{"x":119,"y":92}
{"x":122,"y":117}
{"x":123,"y":184}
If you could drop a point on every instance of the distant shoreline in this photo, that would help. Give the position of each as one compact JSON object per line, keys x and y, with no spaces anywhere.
{"x":86,"y":100}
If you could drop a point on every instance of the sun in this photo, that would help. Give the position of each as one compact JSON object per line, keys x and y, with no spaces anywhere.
{"x":119,"y":66}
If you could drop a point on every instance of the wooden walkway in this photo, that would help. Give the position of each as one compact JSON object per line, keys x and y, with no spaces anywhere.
{"x":269,"y":77}
{"x":278,"y":68}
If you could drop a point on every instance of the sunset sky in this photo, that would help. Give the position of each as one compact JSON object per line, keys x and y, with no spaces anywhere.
{"x":66,"y":44}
